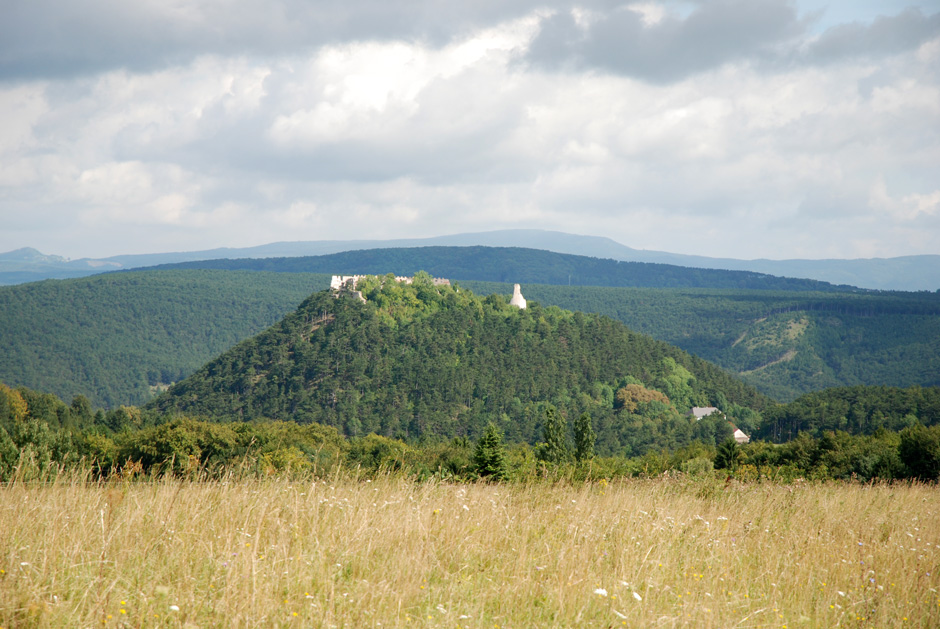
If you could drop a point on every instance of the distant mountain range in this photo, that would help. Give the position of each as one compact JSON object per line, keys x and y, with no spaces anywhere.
{"x":907,"y":273}
{"x":512,"y":264}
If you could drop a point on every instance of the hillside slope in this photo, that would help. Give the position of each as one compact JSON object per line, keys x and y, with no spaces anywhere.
{"x":116,"y":338}
{"x":784,"y":343}
{"x":428,"y":361}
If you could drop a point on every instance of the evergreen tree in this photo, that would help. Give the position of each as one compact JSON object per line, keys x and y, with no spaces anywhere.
{"x":728,"y":455}
{"x":489,"y":458}
{"x":584,"y":438}
{"x":555,"y":448}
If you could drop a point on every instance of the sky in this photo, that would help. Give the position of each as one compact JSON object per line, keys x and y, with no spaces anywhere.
{"x":727,"y":128}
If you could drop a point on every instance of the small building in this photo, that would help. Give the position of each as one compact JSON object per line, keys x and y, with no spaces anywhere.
{"x":698,"y":412}
{"x":739,"y":435}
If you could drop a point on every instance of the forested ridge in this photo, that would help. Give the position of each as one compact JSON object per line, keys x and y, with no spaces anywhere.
{"x":420,"y":361}
{"x":515,"y":264}
{"x":116,"y":338}
{"x":785,"y":343}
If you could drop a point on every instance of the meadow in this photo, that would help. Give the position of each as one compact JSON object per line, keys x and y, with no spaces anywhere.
{"x":390,"y":552}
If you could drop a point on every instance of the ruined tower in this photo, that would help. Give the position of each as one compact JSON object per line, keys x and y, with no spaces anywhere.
{"x":517,"y":299}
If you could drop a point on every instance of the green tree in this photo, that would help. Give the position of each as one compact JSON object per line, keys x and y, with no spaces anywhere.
{"x":555,"y":448}
{"x":584,"y":438}
{"x":920,"y":451}
{"x":489,"y":459}
{"x":728,"y":455}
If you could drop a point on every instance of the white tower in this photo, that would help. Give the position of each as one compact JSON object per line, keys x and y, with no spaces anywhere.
{"x":517,"y":299}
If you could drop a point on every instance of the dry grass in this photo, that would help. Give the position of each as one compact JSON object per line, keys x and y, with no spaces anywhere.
{"x":659,"y":553}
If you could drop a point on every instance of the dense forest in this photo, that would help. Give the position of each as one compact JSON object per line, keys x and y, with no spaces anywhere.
{"x":858,"y":410}
{"x":514,"y":264}
{"x":118,"y":338}
{"x":437,"y":381}
{"x":783,"y":343}
{"x":423,"y":361}
{"x":40,"y":436}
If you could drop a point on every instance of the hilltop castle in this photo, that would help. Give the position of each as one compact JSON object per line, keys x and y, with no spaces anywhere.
{"x":349,"y":282}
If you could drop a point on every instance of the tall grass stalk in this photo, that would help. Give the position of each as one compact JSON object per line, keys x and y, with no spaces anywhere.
{"x":388,"y":552}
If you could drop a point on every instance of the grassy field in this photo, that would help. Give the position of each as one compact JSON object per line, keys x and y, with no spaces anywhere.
{"x":393,"y":553}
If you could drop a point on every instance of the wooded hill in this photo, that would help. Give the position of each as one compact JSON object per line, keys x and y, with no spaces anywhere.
{"x":514,"y":264}
{"x":421,"y":361}
{"x":785,"y":343}
{"x":117,"y":338}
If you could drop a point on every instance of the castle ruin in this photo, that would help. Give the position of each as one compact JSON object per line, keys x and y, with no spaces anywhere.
{"x":517,"y":299}
{"x":349,"y":282}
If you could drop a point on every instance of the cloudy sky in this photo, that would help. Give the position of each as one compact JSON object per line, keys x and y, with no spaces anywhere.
{"x":733,"y":128}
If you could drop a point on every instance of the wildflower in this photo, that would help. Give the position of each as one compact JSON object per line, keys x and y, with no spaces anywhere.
{"x":637,"y":596}
{"x":600,"y":592}
{"x":174,"y":608}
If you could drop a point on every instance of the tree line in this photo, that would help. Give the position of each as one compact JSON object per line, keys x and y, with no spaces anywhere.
{"x":40,"y":435}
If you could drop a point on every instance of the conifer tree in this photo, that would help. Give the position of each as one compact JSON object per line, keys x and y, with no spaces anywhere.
{"x":555,"y":448}
{"x":584,"y":438}
{"x":728,"y":455}
{"x":489,"y":458}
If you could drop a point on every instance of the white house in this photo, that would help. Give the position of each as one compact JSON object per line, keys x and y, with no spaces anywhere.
{"x":704,"y":411}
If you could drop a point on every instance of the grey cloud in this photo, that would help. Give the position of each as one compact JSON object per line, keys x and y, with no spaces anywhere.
{"x":56,"y":38}
{"x":60,"y":38}
{"x":885,"y":35}
{"x":768,"y":32}
{"x":714,"y":33}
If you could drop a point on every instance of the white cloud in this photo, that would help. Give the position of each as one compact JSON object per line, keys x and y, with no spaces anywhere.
{"x":386,"y":137}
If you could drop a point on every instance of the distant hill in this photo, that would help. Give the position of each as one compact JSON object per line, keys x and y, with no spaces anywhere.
{"x":784,"y":343}
{"x":513,"y":264}
{"x":911,"y":273}
{"x":423,"y":361}
{"x":117,"y":338}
